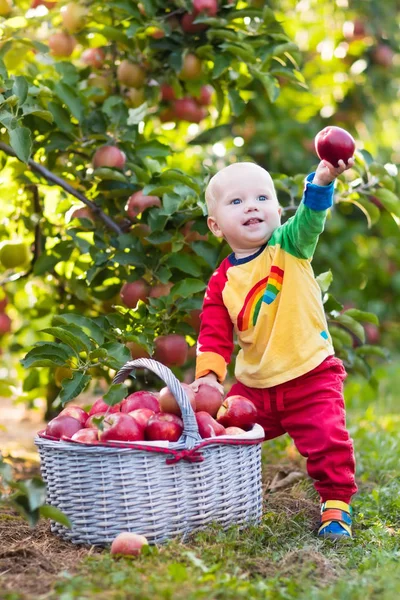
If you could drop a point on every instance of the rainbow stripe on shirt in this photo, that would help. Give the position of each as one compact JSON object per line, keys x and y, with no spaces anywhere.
{"x":266,"y":291}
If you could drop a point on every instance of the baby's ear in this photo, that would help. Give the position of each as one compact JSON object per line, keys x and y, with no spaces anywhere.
{"x":214,"y":227}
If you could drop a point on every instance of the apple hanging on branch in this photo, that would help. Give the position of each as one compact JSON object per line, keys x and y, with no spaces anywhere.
{"x":334,"y":144}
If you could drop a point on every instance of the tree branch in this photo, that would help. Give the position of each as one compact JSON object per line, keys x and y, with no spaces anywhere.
{"x":67,"y":187}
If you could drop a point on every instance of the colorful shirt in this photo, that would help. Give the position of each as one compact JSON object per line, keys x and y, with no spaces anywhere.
{"x":272,"y":302}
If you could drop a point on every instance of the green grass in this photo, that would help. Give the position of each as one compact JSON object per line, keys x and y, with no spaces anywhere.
{"x":281,"y":558}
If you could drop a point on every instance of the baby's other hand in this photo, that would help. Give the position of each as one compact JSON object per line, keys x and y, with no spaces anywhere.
{"x":210,"y":379}
{"x":326,"y":172}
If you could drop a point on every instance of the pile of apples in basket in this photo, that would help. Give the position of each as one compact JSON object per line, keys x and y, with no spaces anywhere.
{"x":153,"y":416}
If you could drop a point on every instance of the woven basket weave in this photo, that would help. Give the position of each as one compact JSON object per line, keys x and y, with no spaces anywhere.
{"x":157,"y":491}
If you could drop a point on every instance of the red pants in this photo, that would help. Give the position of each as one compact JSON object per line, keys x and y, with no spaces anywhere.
{"x":311,"y":410}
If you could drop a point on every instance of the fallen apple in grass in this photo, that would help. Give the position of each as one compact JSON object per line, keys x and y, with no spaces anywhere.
{"x":140,"y":399}
{"x":128,"y":544}
{"x":208,"y":399}
{"x":101,"y":407}
{"x":334,"y":144}
{"x":121,"y":427}
{"x":164,"y":426}
{"x":86,"y":436}
{"x":63,"y":425}
{"x":237,"y":411}
{"x":168,"y":404}
{"x":77,"y":412}
{"x":208,"y":426}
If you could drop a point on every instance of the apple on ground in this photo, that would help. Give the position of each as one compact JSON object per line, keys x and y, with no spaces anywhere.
{"x":164,"y":426}
{"x":121,"y":427}
{"x":133,"y":291}
{"x":237,"y":411}
{"x":142,"y":416}
{"x":208,"y":399}
{"x":168,"y":404}
{"x":208,"y":426}
{"x":128,"y":544}
{"x":234,"y":431}
{"x":109,"y":156}
{"x":140,"y":399}
{"x":171,"y":350}
{"x":86,"y":436}
{"x":63,"y":425}
{"x":99,"y":406}
{"x":77,"y":412}
{"x":334,"y":144}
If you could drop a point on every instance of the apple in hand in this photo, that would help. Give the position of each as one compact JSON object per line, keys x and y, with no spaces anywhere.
{"x":208,"y":426}
{"x":237,"y":411}
{"x":208,"y":398}
{"x":86,"y":436}
{"x":77,"y":412}
{"x":101,"y":407}
{"x":334,"y":144}
{"x":163,"y":426}
{"x":140,"y":399}
{"x":128,"y":544}
{"x":168,"y":404}
{"x":234,"y":431}
{"x":63,"y":425}
{"x":121,"y":427}
{"x":142,"y":416}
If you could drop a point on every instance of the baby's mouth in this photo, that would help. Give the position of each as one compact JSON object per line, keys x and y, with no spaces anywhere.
{"x":252,"y":221}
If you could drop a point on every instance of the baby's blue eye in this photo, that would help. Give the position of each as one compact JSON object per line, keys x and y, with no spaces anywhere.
{"x":236,"y":201}
{"x":262,"y":198}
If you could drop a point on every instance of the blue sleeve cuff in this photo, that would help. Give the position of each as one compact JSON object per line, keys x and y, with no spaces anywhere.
{"x":317,"y":197}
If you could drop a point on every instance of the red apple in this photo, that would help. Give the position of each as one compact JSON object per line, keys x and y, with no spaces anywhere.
{"x":138,"y":202}
{"x":334,"y":144}
{"x":383,"y":55}
{"x":163,"y":426}
{"x":131,"y":74}
{"x":189,"y":26}
{"x":90,"y":423}
{"x":136,"y":350}
{"x":167,"y":115}
{"x":234,"y":431}
{"x":206,"y":93}
{"x":63,"y":425}
{"x":5,"y":324}
{"x":61,"y":44}
{"x":237,"y":411}
{"x":49,"y":5}
{"x":83,"y":213}
{"x":133,"y":291}
{"x":171,"y":350}
{"x":93,"y":57}
{"x":77,"y":412}
{"x":109,"y":156}
{"x":121,"y":427}
{"x":187,"y":109}
{"x":208,"y":7}
{"x":140,"y":399}
{"x":128,"y":544}
{"x":168,"y":404}
{"x":87,"y":436}
{"x":99,"y":406}
{"x":208,"y":427}
{"x":161,"y":289}
{"x":208,"y":399}
{"x":193,"y":319}
{"x":142,"y":416}
{"x":167,"y":92}
{"x":3,"y":303}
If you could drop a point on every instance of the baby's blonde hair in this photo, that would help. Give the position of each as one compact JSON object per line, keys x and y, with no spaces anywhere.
{"x":210,"y":193}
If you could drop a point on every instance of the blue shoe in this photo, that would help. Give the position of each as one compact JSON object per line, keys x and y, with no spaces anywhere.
{"x":335,"y":520}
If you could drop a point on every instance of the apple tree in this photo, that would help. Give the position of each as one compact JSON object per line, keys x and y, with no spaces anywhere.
{"x":113,"y":117}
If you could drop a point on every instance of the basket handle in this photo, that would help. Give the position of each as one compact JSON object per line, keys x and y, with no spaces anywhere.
{"x":190,"y":435}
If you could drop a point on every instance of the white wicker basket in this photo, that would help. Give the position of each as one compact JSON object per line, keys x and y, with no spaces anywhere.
{"x":151,"y":489}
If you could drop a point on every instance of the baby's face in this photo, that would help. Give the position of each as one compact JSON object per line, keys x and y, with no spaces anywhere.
{"x":246,"y":210}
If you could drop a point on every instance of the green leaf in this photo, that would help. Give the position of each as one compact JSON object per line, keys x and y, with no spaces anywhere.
{"x":117,"y":355}
{"x":108,"y":174}
{"x":221,"y":63}
{"x":61,"y":117}
{"x":175,"y":175}
{"x":342,"y":335}
{"x":72,"y":336}
{"x":245,"y":53}
{"x":21,"y":504}
{"x":154,"y":148}
{"x":360,"y":315}
{"x":331,"y":304}
{"x":55,"y":514}
{"x":46,"y":355}
{"x":93,"y":330}
{"x":237,"y":103}
{"x":34,"y":489}
{"x":20,"y":89}
{"x":187,"y":287}
{"x":21,"y":142}
{"x":369,"y":350}
{"x":207,"y":251}
{"x":215,"y":134}
{"x":352,"y":325}
{"x":68,"y":96}
{"x":270,"y":84}
{"x":389,"y":200}
{"x":71,"y":388}
{"x":115,"y":394}
{"x":324,"y":280}
{"x":6,"y":472}
{"x":184,"y":263}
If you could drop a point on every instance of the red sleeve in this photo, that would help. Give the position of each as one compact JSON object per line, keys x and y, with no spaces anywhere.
{"x":215,"y":342}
